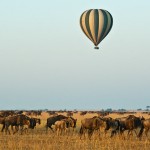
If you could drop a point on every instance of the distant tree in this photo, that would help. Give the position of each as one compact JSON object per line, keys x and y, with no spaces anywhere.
{"x":147,"y":107}
{"x":102,"y":110}
{"x":108,"y":110}
{"x":139,"y":109}
{"x":122,"y":110}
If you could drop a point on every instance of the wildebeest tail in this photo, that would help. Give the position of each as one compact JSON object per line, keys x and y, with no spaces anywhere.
{"x":141,"y":131}
{"x":46,"y":126}
{"x":81,"y":130}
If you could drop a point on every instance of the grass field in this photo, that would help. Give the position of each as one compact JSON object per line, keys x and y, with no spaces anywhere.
{"x":38,"y":139}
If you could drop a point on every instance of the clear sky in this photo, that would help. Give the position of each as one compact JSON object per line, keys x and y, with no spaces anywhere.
{"x":47,"y":62}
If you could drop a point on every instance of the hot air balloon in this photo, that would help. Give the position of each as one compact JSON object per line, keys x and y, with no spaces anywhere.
{"x":96,"y":24}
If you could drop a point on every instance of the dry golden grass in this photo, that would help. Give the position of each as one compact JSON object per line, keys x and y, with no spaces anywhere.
{"x":38,"y":139}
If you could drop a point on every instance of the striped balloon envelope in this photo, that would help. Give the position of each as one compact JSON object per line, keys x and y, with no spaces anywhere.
{"x":96,"y":24}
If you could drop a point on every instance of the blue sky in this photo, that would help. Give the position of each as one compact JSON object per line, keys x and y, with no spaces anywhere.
{"x":47,"y":62}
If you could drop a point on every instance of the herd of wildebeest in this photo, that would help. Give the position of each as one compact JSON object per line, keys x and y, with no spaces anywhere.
{"x":21,"y":122}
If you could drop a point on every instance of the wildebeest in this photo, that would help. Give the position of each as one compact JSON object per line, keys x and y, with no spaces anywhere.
{"x":82,"y":113}
{"x":2,"y":121}
{"x":33,"y":122}
{"x":73,"y":122}
{"x":65,"y":124}
{"x":62,"y":125}
{"x":17,"y":112}
{"x":7,"y":113}
{"x":52,"y":113}
{"x":16,"y":121}
{"x":30,"y":124}
{"x":33,"y":113}
{"x":69,"y":114}
{"x":111,"y":124}
{"x":146,"y":126}
{"x":90,"y":124}
{"x":102,"y":114}
{"x":51,"y":121}
{"x":37,"y":120}
{"x":130,"y":123}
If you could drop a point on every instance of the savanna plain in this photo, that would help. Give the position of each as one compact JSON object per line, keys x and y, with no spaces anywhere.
{"x":39,"y":139}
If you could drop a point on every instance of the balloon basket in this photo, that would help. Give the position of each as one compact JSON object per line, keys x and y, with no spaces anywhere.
{"x":96,"y":47}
